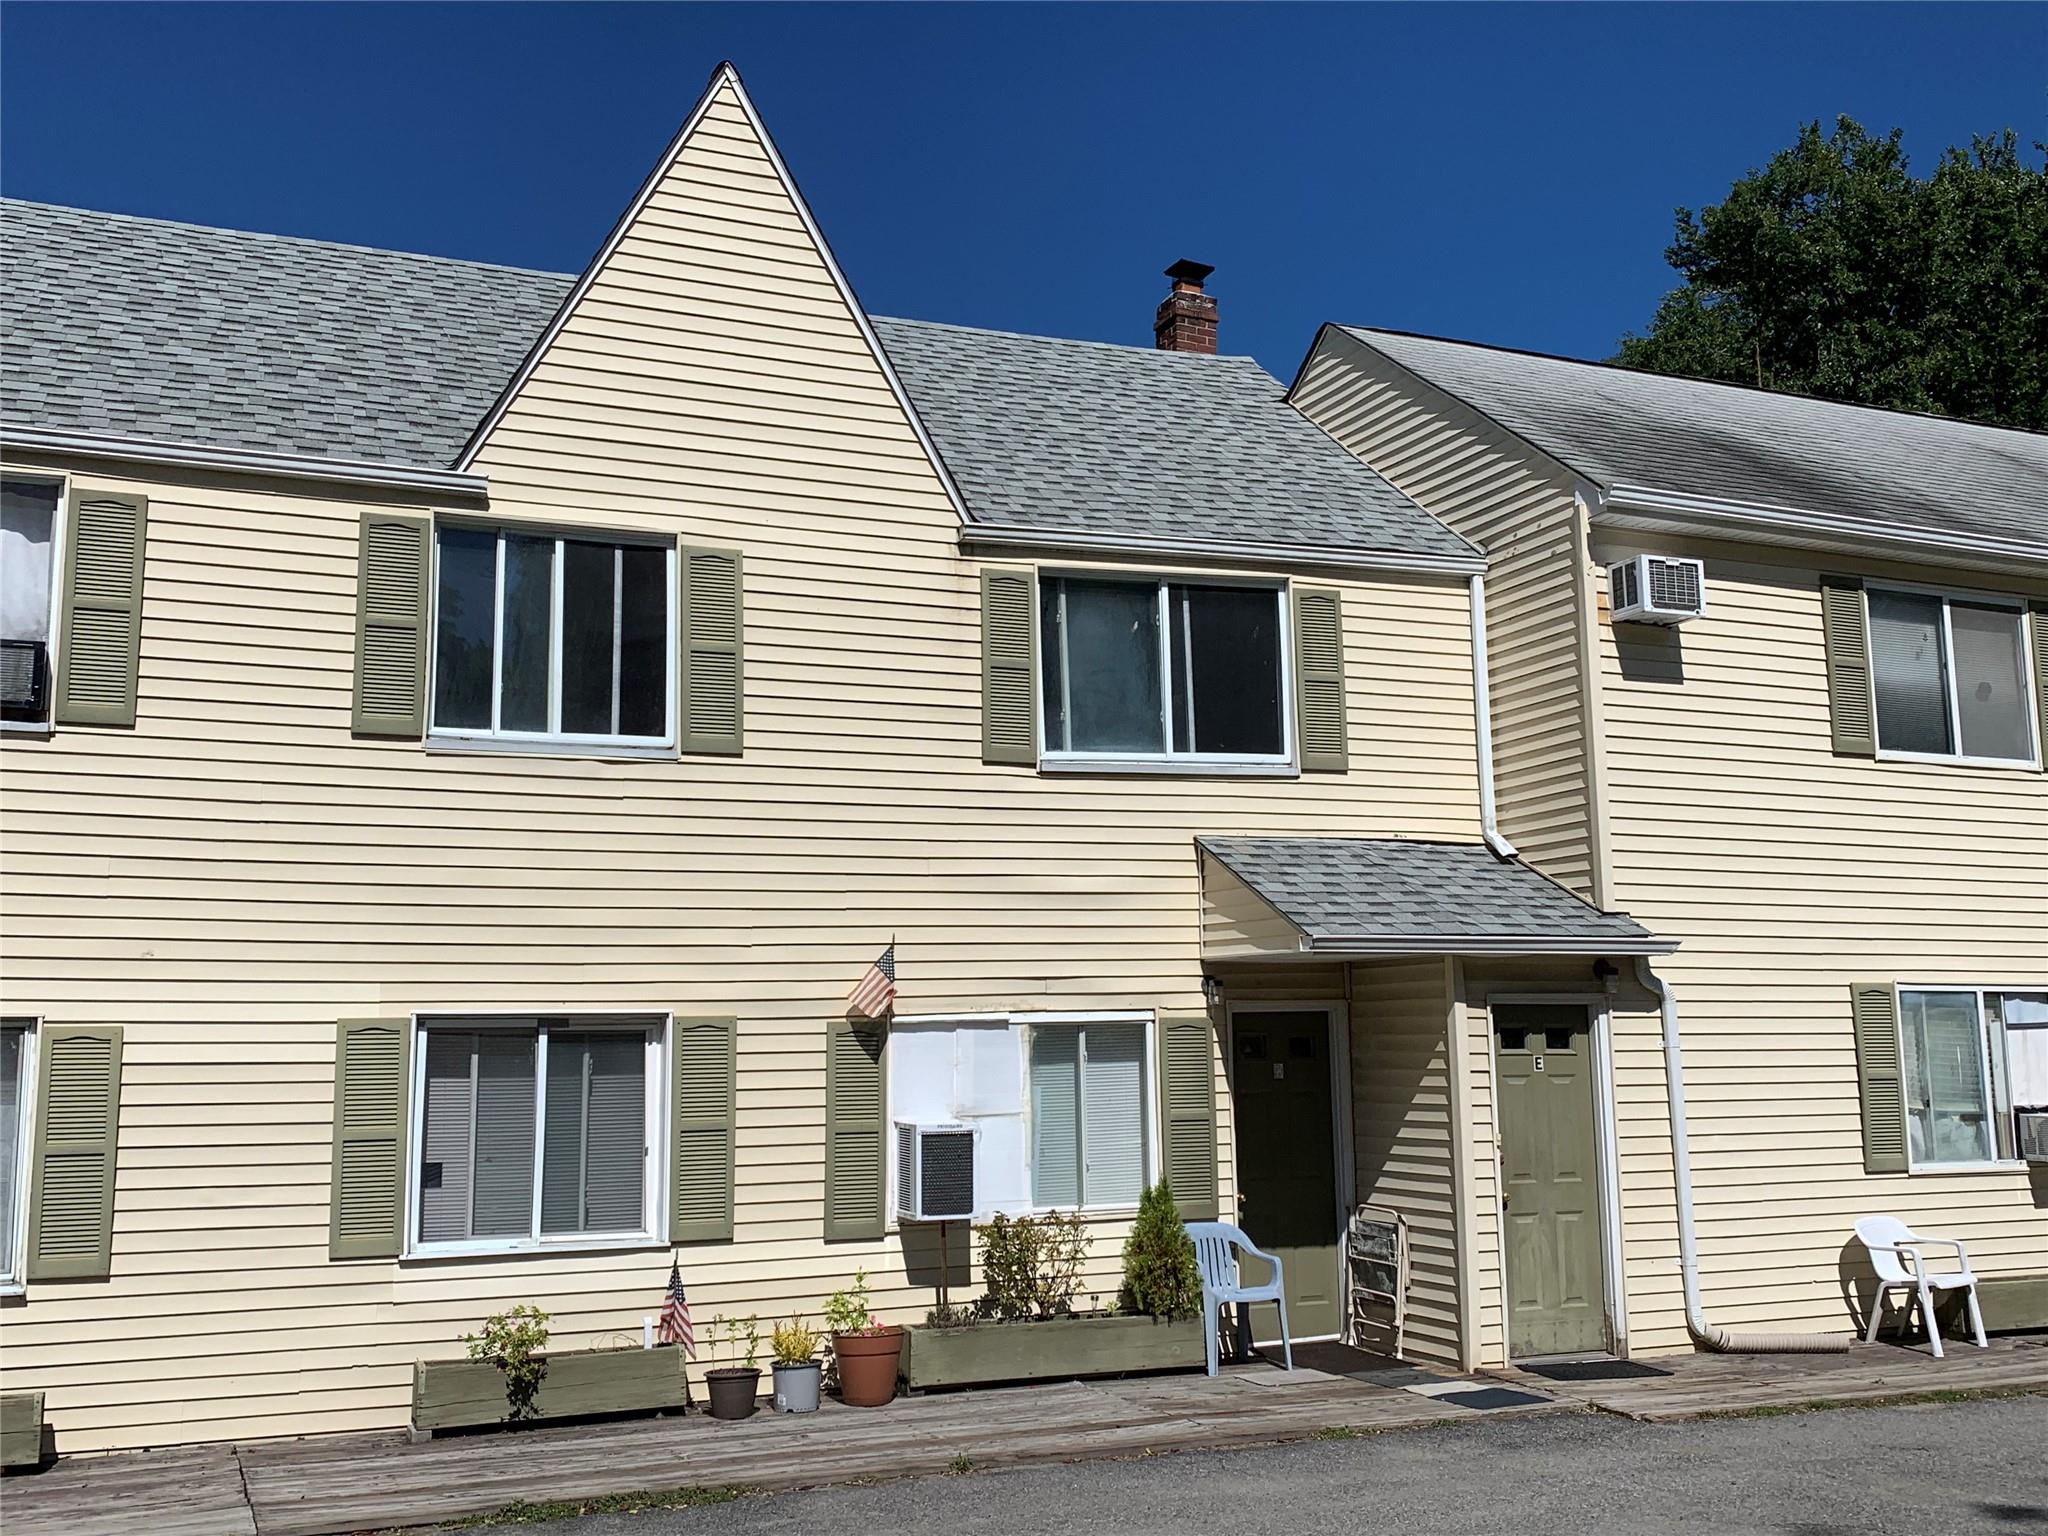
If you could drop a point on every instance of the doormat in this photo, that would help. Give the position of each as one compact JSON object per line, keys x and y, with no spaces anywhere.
{"x":1592,"y":1370}
{"x":1333,"y":1359}
{"x":1491,"y":1397}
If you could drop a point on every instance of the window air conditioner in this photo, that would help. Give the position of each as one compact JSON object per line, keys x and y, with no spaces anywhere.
{"x":2033,"y":1128}
{"x":934,"y":1172}
{"x":1656,"y":589}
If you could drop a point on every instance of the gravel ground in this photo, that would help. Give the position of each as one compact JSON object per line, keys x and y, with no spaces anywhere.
{"x":1926,"y":1469}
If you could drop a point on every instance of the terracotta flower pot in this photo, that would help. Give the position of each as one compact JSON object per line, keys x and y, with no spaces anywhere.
{"x":734,"y":1390}
{"x":868,"y":1363}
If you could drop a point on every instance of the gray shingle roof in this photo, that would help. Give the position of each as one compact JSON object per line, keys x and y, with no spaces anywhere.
{"x":1390,"y":895}
{"x":1087,"y":437}
{"x":1617,"y":426}
{"x":142,"y":328}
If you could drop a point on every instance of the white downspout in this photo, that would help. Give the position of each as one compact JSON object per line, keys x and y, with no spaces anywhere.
{"x":1482,"y":711}
{"x":1704,"y":1333}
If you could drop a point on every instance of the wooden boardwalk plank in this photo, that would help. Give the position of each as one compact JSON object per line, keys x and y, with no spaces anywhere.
{"x":192,"y":1491}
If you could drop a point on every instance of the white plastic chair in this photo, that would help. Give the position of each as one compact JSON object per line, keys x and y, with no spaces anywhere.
{"x":1217,"y":1245}
{"x":1895,"y":1255}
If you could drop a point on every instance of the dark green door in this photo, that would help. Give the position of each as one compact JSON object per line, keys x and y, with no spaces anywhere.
{"x":1286,"y":1162}
{"x":1556,"y":1302}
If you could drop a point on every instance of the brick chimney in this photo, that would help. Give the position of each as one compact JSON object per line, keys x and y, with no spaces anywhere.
{"x":1186,"y":321}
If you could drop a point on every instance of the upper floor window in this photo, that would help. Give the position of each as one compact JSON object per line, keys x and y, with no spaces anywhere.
{"x":553,"y":637}
{"x":1951,"y":677}
{"x":1969,"y":1058}
{"x":28,"y":541}
{"x":1163,"y":669}
{"x":536,"y":1131}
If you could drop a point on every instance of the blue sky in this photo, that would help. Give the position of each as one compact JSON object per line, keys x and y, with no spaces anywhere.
{"x":1505,"y":174}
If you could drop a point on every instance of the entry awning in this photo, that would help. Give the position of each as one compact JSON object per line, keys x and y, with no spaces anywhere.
{"x":1272,"y":896}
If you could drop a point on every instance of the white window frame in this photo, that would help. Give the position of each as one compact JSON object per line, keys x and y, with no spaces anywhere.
{"x":14,"y":1282}
{"x":1026,"y":1022}
{"x":1169,"y":761}
{"x":660,"y":1029}
{"x":555,"y":740}
{"x":2029,"y":705}
{"x":58,"y":522}
{"x":1149,"y":1161}
{"x":1993,"y":1073}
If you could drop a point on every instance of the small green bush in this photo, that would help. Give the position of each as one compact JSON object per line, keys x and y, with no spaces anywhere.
{"x":512,"y":1341}
{"x":1032,"y":1265}
{"x":1160,"y":1278}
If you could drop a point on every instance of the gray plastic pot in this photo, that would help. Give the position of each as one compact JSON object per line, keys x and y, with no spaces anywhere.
{"x":796,"y":1387}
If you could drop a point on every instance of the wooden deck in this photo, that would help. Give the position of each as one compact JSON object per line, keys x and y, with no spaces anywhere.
{"x":1701,"y":1383}
{"x":341,"y":1483}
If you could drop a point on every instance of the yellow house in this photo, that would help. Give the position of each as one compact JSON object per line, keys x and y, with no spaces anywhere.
{"x":468,"y":730}
{"x":1771,"y":674}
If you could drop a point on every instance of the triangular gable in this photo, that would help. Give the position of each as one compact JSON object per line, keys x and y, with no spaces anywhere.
{"x":723,"y":108}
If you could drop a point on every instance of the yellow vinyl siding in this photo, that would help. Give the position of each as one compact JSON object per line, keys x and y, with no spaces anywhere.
{"x":1519,"y":508}
{"x":239,"y":872}
{"x":1790,"y":873}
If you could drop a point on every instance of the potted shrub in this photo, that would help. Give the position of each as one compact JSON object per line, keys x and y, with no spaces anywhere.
{"x":735,"y":1389}
{"x":797,"y":1371}
{"x":867,"y":1353}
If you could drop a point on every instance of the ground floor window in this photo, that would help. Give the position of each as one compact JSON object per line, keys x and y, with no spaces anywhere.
{"x":1088,"y":1113}
{"x":1063,"y":1104}
{"x":1970,"y":1055}
{"x":16,"y":1036}
{"x":536,"y":1130}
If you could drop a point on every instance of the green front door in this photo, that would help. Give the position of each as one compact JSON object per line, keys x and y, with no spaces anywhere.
{"x":1286,"y":1162}
{"x":1551,"y":1190}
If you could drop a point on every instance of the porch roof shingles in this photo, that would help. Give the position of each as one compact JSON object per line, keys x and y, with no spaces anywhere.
{"x":1391,"y":895}
{"x":1090,"y":438}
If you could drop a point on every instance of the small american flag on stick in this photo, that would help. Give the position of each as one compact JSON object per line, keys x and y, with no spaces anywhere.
{"x":875,"y":993}
{"x":674,"y":1327}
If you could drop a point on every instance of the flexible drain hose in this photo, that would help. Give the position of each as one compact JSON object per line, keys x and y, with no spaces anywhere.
{"x":1704,"y":1333}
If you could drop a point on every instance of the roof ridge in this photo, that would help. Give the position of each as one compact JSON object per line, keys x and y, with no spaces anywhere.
{"x":1070,"y":341}
{"x":1687,"y":378}
{"x":298,"y":240}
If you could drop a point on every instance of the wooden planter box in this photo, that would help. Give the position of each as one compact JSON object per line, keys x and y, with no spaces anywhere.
{"x":1060,"y":1348}
{"x":21,"y":1429}
{"x":464,"y":1394}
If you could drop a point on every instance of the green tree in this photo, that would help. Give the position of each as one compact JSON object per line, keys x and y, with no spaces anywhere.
{"x":1833,"y":271}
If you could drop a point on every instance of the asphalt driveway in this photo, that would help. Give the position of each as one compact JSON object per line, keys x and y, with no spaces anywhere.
{"x":1928,"y":1469}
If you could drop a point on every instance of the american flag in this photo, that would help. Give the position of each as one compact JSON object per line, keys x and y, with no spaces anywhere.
{"x":675,"y":1314}
{"x":875,"y":994}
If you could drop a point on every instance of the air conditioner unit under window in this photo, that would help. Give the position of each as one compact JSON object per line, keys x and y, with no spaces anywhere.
{"x":934,"y":1172}
{"x":1656,"y":589}
{"x":2033,"y":1129}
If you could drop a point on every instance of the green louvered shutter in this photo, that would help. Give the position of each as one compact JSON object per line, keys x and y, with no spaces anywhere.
{"x":2037,"y":622}
{"x":704,"y":1056}
{"x":853,"y":1131}
{"x":367,"y":1215}
{"x":1319,"y":679}
{"x":99,"y":635}
{"x":78,"y":1115}
{"x":391,"y":625}
{"x":713,"y":630}
{"x":1009,"y":668}
{"x":1187,"y":1090}
{"x":1880,"y":1082}
{"x":1852,"y":711}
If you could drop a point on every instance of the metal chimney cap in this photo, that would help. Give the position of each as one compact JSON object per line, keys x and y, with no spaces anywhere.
{"x":1193,"y":273}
